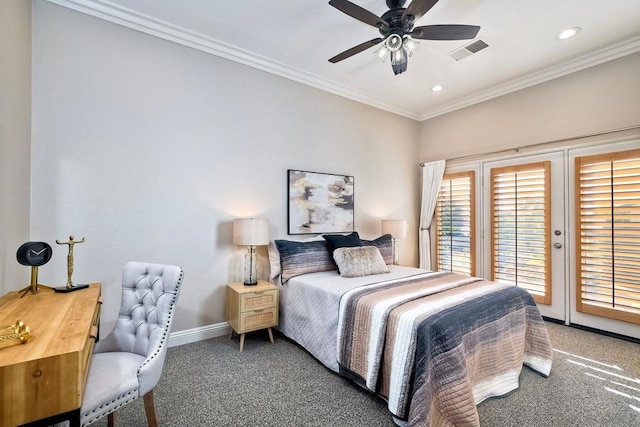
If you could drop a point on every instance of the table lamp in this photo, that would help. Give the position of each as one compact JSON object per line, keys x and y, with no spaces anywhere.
{"x":250,"y":232}
{"x":398,"y":230}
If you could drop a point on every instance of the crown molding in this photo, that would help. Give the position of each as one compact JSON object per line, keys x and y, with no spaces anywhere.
{"x":140,"y":22}
{"x":607,"y":54}
{"x":129,"y":18}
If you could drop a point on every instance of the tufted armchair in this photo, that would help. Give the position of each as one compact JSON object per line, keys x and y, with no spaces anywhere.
{"x":128,"y":362}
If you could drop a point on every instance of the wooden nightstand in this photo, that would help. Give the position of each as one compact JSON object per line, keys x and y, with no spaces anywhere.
{"x":251,"y":308}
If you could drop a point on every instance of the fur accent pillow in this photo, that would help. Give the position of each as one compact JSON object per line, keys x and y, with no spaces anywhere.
{"x":298,"y":258}
{"x":359,"y":261}
{"x":384,"y":245}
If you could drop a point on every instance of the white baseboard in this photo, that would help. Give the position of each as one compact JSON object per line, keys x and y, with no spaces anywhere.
{"x":198,"y":334}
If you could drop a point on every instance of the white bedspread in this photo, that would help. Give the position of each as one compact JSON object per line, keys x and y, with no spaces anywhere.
{"x":310,"y":308}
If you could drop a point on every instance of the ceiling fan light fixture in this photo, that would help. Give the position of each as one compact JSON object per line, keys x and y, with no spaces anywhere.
{"x":399,"y":68}
{"x":382,"y":53}
{"x":393,"y":42}
{"x":398,"y":57}
{"x":410,"y":45}
{"x":396,"y":26}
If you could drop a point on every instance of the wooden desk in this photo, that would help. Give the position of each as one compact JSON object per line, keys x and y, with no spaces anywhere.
{"x":45,"y":376}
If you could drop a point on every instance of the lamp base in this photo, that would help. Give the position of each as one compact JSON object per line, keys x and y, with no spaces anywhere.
{"x":395,"y":251}
{"x":250,"y":267}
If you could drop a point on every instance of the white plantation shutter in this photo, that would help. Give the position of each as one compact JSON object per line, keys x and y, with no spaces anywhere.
{"x":520,"y":224}
{"x":455,"y":229}
{"x":608,"y":235}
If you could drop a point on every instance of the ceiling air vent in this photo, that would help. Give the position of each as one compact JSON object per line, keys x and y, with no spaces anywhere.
{"x":468,"y":50}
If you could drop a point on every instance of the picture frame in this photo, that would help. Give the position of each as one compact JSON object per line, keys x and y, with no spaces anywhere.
{"x":319,"y":202}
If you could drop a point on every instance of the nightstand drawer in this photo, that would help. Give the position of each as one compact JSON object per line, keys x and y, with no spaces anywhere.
{"x":258,"y":319}
{"x":258,"y":300}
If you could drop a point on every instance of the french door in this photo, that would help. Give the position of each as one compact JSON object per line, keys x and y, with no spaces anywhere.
{"x":565,"y":225}
{"x":524,"y":241}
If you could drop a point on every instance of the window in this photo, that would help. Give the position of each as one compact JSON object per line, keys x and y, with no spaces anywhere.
{"x":455,"y":211}
{"x":520,"y":223}
{"x":608,"y":235}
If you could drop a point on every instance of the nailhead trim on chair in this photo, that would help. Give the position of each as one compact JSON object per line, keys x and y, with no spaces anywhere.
{"x":165,"y":332}
{"x":133,"y":392}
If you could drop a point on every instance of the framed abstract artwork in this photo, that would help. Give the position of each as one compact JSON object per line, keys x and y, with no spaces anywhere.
{"x":319,"y":203}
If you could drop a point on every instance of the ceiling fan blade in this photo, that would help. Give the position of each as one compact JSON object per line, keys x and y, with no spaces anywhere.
{"x":356,"y":49}
{"x":355,"y":11}
{"x":445,"y":32}
{"x":417,"y":9}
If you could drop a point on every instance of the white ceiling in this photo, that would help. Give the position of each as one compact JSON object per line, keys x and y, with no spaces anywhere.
{"x":295,"y":39}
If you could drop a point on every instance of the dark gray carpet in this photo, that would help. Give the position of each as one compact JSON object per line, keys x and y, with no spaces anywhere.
{"x":594,"y":382}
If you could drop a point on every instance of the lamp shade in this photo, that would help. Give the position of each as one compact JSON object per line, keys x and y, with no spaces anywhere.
{"x":396,"y":227}
{"x":250,"y":232}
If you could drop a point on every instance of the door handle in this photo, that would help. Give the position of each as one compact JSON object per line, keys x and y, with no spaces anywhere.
{"x":557,"y":245}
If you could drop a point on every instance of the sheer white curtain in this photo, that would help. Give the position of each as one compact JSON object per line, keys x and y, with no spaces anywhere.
{"x":431,"y":179}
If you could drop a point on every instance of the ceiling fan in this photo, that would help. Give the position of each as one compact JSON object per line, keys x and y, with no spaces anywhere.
{"x":397,"y":29}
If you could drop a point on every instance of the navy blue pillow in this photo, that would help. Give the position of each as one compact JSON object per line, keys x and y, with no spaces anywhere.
{"x":335,"y":241}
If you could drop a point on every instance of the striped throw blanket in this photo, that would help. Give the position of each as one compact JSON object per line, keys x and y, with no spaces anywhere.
{"x":438,"y":345}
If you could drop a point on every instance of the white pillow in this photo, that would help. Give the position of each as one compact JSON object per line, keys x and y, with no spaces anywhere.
{"x":274,"y":261}
{"x":359,"y":261}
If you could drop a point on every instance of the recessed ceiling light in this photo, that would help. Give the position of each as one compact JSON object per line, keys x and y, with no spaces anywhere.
{"x":437,"y":88}
{"x":568,"y":33}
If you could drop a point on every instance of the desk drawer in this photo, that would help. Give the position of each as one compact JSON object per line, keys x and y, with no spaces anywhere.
{"x":91,"y":340}
{"x":258,"y":300}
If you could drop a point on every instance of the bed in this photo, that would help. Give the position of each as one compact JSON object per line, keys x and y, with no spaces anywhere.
{"x":432,"y":344}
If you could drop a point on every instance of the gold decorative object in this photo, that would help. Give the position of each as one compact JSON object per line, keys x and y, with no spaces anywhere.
{"x":70,"y":286}
{"x":20,"y":332}
{"x":33,"y":287}
{"x":33,"y":254}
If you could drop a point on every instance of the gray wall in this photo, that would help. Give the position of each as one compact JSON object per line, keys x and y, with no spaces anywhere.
{"x":149,"y":149}
{"x":15,"y":136}
{"x":598,"y":99}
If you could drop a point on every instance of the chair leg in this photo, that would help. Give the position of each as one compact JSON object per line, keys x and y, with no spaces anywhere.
{"x":111,"y":419}
{"x":150,"y":409}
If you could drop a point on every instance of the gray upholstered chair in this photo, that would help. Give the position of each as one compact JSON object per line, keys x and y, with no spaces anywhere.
{"x":128,"y":362}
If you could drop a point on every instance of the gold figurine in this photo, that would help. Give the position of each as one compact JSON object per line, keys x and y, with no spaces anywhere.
{"x":70,"y":243}
{"x":20,"y":332}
